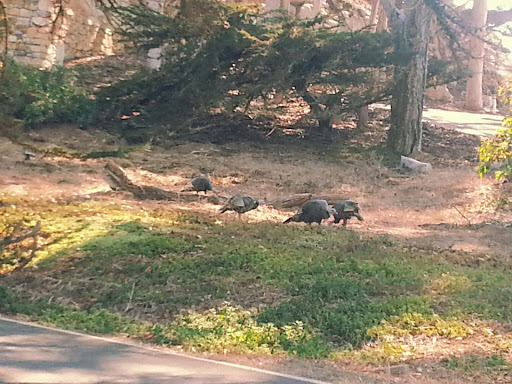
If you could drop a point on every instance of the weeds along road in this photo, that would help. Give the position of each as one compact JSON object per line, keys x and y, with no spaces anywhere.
{"x":35,"y":354}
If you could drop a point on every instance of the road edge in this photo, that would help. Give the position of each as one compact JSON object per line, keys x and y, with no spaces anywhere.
{"x":162,"y":350}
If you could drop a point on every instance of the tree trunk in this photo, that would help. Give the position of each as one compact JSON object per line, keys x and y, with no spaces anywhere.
{"x":324,"y":125}
{"x":412,"y":32}
{"x":476,"y":63}
{"x":362,"y":117}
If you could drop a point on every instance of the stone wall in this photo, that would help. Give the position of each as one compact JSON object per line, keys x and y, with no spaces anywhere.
{"x":42,"y":33}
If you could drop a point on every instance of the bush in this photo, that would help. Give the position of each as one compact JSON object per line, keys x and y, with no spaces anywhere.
{"x":40,"y":96}
{"x":227,"y":55}
{"x":498,"y":150}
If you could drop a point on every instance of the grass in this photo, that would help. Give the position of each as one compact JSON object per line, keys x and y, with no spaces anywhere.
{"x":495,"y":364}
{"x":166,"y":275}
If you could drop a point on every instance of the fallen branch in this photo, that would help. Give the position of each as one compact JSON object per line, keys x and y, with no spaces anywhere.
{"x":120,"y":180}
{"x":298,"y":200}
{"x":12,"y":239}
{"x":460,"y":213}
{"x":270,"y":133}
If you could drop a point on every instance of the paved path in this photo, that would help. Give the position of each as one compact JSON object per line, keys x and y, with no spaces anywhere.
{"x":35,"y":354}
{"x":479,"y":124}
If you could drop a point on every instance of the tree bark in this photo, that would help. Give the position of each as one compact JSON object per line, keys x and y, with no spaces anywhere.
{"x":412,"y":32}
{"x":362,"y":118}
{"x":324,"y":125}
{"x":476,"y":63}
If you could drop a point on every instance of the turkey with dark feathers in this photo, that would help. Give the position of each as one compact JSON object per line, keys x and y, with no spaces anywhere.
{"x":312,"y":211}
{"x":346,"y":210}
{"x":28,"y":155}
{"x":199,"y":184}
{"x":240,"y":204}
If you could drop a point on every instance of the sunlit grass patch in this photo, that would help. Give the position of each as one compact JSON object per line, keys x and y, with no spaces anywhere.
{"x":234,"y":329}
{"x":415,"y":324}
{"x":447,"y":283}
{"x":67,"y":226}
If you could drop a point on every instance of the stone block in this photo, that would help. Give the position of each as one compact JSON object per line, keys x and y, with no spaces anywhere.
{"x":25,"y":13}
{"x":32,"y":32}
{"x":415,"y":165}
{"x":45,"y":5}
{"x":37,"y":55}
{"x":22,"y":22}
{"x":271,"y":5}
{"x":60,"y":51}
{"x":155,"y":53}
{"x":39,"y":48}
{"x":153,"y":64}
{"x":38,"y":32}
{"x":40,"y":21}
{"x":44,"y":14}
{"x":13,"y":12}
{"x":36,"y":41}
{"x":12,"y":38}
{"x":154,"y":5}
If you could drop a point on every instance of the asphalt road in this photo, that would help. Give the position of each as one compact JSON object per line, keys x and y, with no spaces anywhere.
{"x":473,"y":123}
{"x":35,"y":354}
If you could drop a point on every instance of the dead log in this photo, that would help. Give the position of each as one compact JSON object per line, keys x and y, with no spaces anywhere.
{"x":298,"y":200}
{"x":118,"y":179}
{"x":14,"y":238}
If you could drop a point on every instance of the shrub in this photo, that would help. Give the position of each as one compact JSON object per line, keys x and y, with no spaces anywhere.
{"x":227,"y":55}
{"x":39,"y":96}
{"x":498,"y":150}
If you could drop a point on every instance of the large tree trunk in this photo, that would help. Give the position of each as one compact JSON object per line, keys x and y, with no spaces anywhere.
{"x":363,"y":117}
{"x":476,"y":63}
{"x":412,"y":31}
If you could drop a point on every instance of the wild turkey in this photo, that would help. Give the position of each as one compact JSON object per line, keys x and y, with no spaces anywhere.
{"x":28,"y":155}
{"x":199,"y":184}
{"x":312,"y":211}
{"x":346,"y":210}
{"x":240,"y":204}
